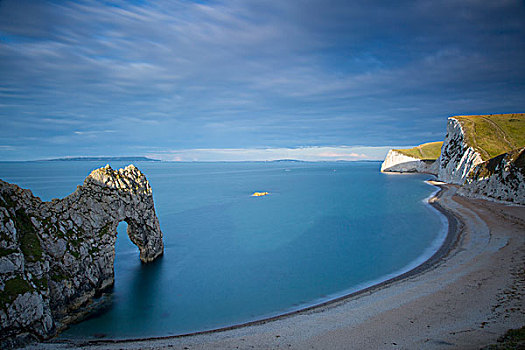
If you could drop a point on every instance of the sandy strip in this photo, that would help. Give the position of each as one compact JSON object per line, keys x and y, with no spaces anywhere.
{"x":465,"y":297}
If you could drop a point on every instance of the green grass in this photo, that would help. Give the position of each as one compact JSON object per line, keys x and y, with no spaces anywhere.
{"x":514,"y":339}
{"x":492,"y":135}
{"x":13,"y":288}
{"x":515,"y":158}
{"x":58,"y":276}
{"x":41,"y":283}
{"x":8,"y":201}
{"x":105,"y":230}
{"x":29,"y":242}
{"x":426,"y":151}
{"x":6,"y":251}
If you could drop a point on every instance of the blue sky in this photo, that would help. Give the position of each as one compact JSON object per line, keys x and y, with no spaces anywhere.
{"x":247,"y":79}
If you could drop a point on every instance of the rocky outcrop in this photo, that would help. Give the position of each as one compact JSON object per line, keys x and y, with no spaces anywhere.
{"x":55,"y":256}
{"x":457,"y":158}
{"x":460,"y":162}
{"x":260,"y":194}
{"x":401,"y":163}
{"x":501,"y":178}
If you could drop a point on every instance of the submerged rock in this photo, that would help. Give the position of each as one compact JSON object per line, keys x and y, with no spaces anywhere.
{"x":55,"y":256}
{"x":260,"y":194}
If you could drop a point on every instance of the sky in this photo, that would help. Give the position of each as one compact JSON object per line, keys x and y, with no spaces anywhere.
{"x":251,"y":79}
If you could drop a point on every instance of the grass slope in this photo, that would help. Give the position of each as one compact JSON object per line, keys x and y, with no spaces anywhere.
{"x":426,"y":151}
{"x":494,"y":134}
{"x":513,"y":339}
{"x":513,"y":160}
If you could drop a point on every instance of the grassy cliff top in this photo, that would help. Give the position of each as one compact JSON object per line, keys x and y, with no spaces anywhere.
{"x":494,"y":134}
{"x":426,"y":151}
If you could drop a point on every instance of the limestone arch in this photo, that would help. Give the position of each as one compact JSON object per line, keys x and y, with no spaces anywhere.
{"x":63,"y":250}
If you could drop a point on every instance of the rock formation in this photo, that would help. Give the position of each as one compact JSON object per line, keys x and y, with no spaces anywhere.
{"x":457,"y":157}
{"x":260,"y":194}
{"x":55,"y":256}
{"x":501,"y":178}
{"x":499,"y":175}
{"x":420,"y":159}
{"x":482,"y":154}
{"x":398,"y":162}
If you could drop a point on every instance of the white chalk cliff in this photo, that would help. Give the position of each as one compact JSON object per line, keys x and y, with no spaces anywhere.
{"x":457,"y":158}
{"x":55,"y":256}
{"x":501,"y":178}
{"x":398,"y":162}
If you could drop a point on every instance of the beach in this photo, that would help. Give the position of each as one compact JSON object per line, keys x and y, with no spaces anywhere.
{"x":465,"y":297}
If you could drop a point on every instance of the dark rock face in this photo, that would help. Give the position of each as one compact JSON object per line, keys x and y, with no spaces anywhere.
{"x":55,"y":256}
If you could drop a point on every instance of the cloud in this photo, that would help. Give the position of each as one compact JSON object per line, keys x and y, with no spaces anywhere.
{"x":268,"y":154}
{"x":339,"y":155}
{"x":93,"y":133}
{"x":250,"y":74}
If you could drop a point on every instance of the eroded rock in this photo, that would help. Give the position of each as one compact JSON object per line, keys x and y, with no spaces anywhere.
{"x":401,"y":163}
{"x":55,"y":256}
{"x":457,"y":157}
{"x":501,"y":178}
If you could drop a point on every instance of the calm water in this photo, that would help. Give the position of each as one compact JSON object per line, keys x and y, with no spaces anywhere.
{"x":326,"y":229}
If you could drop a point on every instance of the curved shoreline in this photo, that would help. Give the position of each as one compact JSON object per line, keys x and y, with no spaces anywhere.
{"x":465,"y":297}
{"x":448,"y":244}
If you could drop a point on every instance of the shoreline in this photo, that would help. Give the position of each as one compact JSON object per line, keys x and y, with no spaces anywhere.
{"x":446,"y":246}
{"x":450,"y":244}
{"x":415,"y":267}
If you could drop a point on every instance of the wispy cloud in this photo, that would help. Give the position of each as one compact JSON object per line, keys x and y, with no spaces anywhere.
{"x":250,"y":74}
{"x":267,"y":154}
{"x":93,"y":132}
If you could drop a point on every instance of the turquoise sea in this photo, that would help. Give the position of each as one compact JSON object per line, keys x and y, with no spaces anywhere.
{"x":325,"y":230}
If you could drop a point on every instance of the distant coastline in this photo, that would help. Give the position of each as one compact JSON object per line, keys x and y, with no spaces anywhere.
{"x":112,"y":159}
{"x":146,"y":159}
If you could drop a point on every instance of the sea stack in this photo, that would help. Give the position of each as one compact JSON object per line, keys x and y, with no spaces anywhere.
{"x":55,"y":256}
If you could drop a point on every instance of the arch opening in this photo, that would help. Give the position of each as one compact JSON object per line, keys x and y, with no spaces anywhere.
{"x":124,"y":245}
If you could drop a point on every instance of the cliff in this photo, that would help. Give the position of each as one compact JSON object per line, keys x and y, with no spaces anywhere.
{"x":55,"y":256}
{"x":420,"y":159}
{"x":501,"y":178}
{"x":457,"y":157}
{"x":471,"y":140}
{"x":400,"y":163}
{"x":482,"y":153}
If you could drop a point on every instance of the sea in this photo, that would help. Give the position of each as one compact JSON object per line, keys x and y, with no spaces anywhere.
{"x":326,"y":229}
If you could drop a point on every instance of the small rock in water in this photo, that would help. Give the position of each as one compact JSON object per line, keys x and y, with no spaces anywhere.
{"x":260,"y":194}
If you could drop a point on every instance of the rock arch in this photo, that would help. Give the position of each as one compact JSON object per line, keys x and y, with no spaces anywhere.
{"x":123,"y":195}
{"x":55,"y":256}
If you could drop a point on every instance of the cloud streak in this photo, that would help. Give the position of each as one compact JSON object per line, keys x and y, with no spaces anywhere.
{"x":252,"y":74}
{"x":269,"y":154}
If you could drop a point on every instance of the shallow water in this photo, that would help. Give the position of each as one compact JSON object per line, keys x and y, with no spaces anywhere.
{"x":325,"y":229}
